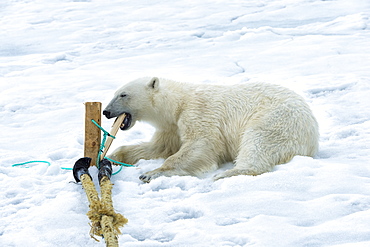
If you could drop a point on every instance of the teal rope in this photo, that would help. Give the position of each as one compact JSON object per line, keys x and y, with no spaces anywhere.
{"x":38,"y":161}
{"x":120,"y":163}
{"x":101,"y":128}
{"x":32,"y":161}
{"x":102,"y":146}
{"x":120,"y":168}
{"x":67,"y":168}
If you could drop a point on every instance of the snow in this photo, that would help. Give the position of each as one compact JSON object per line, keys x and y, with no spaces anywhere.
{"x":56,"y":55}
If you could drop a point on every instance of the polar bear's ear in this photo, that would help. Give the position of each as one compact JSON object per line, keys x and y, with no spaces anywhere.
{"x":154,"y":83}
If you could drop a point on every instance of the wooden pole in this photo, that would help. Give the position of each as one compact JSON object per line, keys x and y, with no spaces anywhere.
{"x":92,"y":133}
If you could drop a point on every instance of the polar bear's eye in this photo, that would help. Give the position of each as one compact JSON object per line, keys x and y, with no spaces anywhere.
{"x":123,"y":95}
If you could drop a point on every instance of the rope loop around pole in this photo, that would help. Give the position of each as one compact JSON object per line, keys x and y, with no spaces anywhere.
{"x":102,"y":146}
{"x":101,"y":128}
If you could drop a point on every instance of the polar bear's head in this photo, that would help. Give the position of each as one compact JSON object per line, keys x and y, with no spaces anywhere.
{"x":135,"y":99}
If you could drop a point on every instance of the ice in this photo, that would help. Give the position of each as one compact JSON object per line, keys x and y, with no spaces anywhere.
{"x":56,"y":55}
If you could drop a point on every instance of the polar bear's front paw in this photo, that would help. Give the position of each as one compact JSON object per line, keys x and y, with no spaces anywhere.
{"x":147,"y":177}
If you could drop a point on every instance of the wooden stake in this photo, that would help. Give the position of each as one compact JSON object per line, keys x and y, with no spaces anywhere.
{"x":92,"y":133}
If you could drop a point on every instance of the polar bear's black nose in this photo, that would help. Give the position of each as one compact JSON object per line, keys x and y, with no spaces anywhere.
{"x":106,"y":114}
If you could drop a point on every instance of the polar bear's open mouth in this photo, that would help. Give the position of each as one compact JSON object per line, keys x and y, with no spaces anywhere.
{"x":126,"y":122}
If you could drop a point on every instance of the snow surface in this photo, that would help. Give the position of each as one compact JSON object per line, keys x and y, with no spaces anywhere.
{"x":56,"y":55}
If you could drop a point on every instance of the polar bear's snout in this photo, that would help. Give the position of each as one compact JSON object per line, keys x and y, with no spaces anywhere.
{"x":107,"y":114}
{"x":111,"y":113}
{"x":127,"y":122}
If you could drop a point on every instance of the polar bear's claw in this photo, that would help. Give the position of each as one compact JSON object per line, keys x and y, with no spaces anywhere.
{"x":145,"y":178}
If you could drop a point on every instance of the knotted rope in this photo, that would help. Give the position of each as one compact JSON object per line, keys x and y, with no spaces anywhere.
{"x":104,"y":220}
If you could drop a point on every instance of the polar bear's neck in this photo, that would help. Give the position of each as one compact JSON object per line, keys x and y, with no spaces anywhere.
{"x":168,"y":103}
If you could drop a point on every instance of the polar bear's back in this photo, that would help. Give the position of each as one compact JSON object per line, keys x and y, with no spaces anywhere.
{"x":243,"y":101}
{"x":277,"y":111}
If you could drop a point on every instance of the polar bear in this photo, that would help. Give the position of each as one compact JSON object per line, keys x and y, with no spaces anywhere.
{"x":201,"y":126}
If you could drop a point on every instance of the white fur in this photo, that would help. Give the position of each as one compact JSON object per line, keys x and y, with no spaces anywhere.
{"x":199,"y":127}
